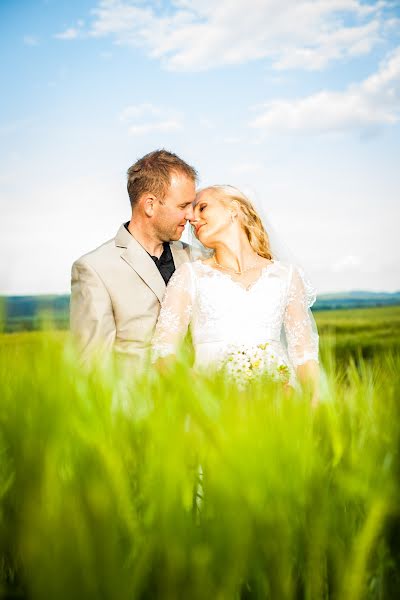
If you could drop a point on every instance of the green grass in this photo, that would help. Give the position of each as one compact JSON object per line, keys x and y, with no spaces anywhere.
{"x":99,"y":478}
{"x":363,"y":332}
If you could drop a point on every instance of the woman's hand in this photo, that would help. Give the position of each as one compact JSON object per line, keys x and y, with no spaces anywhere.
{"x":308,"y":375}
{"x":165,"y":363}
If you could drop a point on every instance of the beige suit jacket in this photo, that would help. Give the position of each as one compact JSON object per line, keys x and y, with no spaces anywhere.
{"x":116,"y":291}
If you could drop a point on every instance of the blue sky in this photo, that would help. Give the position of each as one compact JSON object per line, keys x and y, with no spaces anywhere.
{"x":294,"y":101}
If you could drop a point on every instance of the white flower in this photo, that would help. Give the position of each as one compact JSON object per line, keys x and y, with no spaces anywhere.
{"x":249,"y":363}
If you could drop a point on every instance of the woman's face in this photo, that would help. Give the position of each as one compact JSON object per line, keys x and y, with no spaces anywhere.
{"x":212,"y":218}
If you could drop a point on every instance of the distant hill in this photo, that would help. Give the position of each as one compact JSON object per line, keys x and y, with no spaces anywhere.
{"x":356,"y":299}
{"x":25,"y":313}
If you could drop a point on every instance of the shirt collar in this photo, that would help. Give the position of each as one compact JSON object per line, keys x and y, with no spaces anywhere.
{"x":166,"y":254}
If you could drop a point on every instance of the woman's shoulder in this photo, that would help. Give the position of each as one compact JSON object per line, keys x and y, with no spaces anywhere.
{"x":292,"y":273}
{"x":300,"y":284}
{"x":282,"y":267}
{"x":287,"y":267}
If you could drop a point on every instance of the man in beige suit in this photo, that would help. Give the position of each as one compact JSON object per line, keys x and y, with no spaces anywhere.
{"x":116,"y":290}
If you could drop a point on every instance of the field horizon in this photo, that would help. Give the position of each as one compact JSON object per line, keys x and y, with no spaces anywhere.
{"x":29,"y":312}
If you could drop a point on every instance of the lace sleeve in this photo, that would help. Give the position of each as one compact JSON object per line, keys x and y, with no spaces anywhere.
{"x":175,"y":313}
{"x":300,"y":328}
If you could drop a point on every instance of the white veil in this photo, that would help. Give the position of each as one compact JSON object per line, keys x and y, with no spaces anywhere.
{"x":282,"y":253}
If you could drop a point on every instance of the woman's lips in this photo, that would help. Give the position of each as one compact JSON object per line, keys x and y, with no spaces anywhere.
{"x":198,"y":227}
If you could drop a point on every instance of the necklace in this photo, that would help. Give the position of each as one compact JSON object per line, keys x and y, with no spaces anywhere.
{"x":255,"y":266}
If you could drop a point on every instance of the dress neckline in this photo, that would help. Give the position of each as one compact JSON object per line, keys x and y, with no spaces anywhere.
{"x":248,"y":288}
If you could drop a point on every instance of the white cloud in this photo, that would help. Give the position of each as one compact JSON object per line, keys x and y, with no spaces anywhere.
{"x":230,"y":139}
{"x":206,"y":123}
{"x":347,"y":263}
{"x":247,"y":168}
{"x":366,"y":105}
{"x":15,"y":126}
{"x":201,"y":34}
{"x":147,"y":118}
{"x":393,"y":23}
{"x":69,"y":34}
{"x":30,"y":40}
{"x":162,"y":126}
{"x":332,"y":45}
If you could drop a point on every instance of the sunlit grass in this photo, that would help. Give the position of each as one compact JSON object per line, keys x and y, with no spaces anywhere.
{"x":114,"y":485}
{"x":366,"y":331}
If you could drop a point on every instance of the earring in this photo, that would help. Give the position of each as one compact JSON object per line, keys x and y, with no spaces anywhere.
{"x":232,"y":217}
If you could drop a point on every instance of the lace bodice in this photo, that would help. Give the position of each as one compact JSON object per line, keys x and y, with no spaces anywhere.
{"x":221,"y":312}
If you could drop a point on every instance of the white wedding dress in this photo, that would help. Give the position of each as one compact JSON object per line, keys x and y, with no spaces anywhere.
{"x":221,"y":313}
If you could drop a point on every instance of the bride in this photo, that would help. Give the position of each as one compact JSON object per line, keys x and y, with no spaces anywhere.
{"x":240,"y":296}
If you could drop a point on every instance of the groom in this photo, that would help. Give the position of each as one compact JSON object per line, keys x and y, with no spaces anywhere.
{"x":116,"y":289}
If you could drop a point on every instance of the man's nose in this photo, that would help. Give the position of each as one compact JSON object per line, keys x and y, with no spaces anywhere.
{"x":189,"y":216}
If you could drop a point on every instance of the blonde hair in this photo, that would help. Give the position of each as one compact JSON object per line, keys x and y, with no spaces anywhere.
{"x":250,"y":221}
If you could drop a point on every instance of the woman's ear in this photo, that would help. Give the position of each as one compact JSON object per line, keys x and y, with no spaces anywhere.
{"x":235,"y":209}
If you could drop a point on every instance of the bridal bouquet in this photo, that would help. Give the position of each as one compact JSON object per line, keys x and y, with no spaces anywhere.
{"x":250,"y":363}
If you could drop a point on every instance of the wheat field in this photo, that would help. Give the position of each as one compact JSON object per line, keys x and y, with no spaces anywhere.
{"x":176,"y":485}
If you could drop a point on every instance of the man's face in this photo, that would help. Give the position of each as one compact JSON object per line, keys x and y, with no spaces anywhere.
{"x":172,"y":213}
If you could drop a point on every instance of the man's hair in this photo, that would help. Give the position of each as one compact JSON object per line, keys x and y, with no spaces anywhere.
{"x":152,"y":174}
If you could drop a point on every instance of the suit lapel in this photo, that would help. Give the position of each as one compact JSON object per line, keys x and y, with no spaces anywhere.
{"x":137,"y":258}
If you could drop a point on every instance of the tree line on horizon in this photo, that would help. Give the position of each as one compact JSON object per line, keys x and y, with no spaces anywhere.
{"x":30,"y":313}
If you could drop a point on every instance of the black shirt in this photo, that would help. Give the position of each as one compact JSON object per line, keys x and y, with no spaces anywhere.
{"x":165,"y":264}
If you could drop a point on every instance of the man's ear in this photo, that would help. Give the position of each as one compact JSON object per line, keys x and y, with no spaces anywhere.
{"x":148,"y":204}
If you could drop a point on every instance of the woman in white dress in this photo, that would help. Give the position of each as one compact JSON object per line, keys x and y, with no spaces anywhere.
{"x":240,"y":295}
